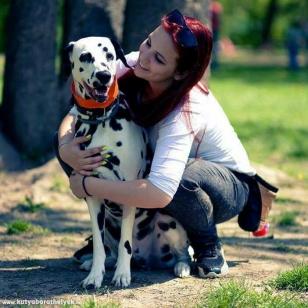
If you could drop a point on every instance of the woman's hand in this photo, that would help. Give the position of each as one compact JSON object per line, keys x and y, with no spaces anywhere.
{"x":82,"y":161}
{"x":76,"y":185}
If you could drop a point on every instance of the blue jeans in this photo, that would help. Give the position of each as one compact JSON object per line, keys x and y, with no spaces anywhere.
{"x":208,"y":194}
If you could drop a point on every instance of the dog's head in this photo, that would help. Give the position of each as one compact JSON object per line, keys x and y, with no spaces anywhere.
{"x":93,"y":65}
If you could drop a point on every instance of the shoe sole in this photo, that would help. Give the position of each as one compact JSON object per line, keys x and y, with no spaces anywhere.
{"x":223,"y":272}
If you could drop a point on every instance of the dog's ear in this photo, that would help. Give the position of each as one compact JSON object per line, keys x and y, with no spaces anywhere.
{"x":67,"y":64}
{"x":119,"y":52}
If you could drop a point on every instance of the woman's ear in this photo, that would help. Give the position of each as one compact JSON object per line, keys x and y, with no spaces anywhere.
{"x":179,"y":76}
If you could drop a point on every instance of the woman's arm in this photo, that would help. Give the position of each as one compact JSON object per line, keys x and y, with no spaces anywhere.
{"x":137,"y":193}
{"x":69,"y":148}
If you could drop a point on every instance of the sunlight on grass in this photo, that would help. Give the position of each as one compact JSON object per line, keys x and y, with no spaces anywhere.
{"x":94,"y":303}
{"x":268,"y":108}
{"x":240,"y":295}
{"x":28,"y":205}
{"x":295,"y":279}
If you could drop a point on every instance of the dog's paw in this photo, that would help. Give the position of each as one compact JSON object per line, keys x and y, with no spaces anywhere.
{"x":94,"y":279}
{"x":182,"y":269}
{"x":121,"y":278}
{"x":86,"y":265}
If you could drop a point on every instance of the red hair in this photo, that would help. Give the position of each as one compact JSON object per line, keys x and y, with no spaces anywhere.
{"x":192,"y":61}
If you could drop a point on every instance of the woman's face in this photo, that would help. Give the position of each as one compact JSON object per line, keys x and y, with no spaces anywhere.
{"x":157,"y":61}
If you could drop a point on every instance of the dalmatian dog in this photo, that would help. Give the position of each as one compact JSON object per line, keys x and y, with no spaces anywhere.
{"x":120,"y":233}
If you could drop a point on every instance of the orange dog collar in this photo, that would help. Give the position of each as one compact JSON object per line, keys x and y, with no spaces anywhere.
{"x":91,"y":103}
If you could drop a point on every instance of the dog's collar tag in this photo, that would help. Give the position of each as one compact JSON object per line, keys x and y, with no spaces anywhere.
{"x":91,"y":103}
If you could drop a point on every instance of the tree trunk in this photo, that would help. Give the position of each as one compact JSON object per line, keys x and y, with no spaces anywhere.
{"x":270,"y":14}
{"x":141,"y":17}
{"x":30,"y":111}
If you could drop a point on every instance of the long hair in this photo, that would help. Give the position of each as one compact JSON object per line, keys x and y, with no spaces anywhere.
{"x":193,"y":61}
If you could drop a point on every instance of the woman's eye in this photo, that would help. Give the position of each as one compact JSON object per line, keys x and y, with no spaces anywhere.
{"x":148,"y":43}
{"x":158,"y":59}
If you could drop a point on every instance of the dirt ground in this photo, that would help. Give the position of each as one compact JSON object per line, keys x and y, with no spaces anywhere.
{"x":39,"y":266}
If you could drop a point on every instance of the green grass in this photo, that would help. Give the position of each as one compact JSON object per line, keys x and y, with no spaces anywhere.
{"x":28,"y":205}
{"x":268,"y":108}
{"x":21,"y":226}
{"x":286,"y":219}
{"x":295,"y":279}
{"x":59,"y":184}
{"x":93,"y":303}
{"x":235,"y":294}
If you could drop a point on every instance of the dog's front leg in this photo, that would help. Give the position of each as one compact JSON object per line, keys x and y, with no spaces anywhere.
{"x":122,"y":275}
{"x":97,"y":212}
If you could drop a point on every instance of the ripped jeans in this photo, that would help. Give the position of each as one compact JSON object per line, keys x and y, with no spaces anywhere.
{"x":208,"y":194}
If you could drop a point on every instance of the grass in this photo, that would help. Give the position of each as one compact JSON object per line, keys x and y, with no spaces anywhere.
{"x":295,"y":279}
{"x":19,"y":226}
{"x":28,"y":205}
{"x":238,"y":294}
{"x":59,"y":184}
{"x":93,"y":303}
{"x":286,"y":219}
{"x":267,"y":106}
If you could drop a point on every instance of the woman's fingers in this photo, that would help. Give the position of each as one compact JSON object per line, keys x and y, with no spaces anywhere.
{"x":82,"y":139}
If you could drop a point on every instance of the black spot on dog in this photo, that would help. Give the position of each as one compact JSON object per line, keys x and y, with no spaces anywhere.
{"x":81,"y":69}
{"x":101,"y":218}
{"x":167,"y":257}
{"x":73,"y":65}
{"x":128,"y":248}
{"x":163,"y":226}
{"x":123,"y":113}
{"x":141,"y":154}
{"x":141,"y":234}
{"x":139,"y":212}
{"x":172,"y":225}
{"x":114,"y":160}
{"x":88,"y":80}
{"x":114,"y":231}
{"x":165,"y":248}
{"x":119,"y":143}
{"x":80,"y":87}
{"x":114,"y":208}
{"x":86,"y":57}
{"x":158,"y":235}
{"x":99,"y":44}
{"x":145,"y":223}
{"x":87,"y":96}
{"x":105,"y":49}
{"x":144,"y":136}
{"x":115,"y":125}
{"x":115,"y":172}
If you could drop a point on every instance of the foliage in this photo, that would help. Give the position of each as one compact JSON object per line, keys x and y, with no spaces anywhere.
{"x":93,"y":303}
{"x":28,"y":205}
{"x":242,"y":20}
{"x":4,"y":9}
{"x":287,"y":219}
{"x":21,"y":226}
{"x":59,"y":184}
{"x":239,"y":295}
{"x":295,"y":279}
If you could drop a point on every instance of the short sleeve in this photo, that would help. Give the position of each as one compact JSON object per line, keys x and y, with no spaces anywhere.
{"x":131,"y":59}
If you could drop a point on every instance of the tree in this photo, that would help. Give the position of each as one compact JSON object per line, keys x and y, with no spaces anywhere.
{"x":30,"y":110}
{"x":141,"y":17}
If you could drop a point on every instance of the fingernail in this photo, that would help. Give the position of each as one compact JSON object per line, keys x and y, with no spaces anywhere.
{"x":107,"y":156}
{"x":103,"y":163}
{"x":105,"y":147}
{"x":88,"y":137}
{"x":95,"y":173}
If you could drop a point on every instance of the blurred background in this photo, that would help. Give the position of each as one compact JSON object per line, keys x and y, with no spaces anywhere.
{"x":259,"y":69}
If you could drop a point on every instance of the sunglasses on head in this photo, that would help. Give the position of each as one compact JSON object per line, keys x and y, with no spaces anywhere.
{"x":184,"y":36}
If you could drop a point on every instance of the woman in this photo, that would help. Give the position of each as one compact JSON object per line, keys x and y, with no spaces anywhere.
{"x":200,"y":172}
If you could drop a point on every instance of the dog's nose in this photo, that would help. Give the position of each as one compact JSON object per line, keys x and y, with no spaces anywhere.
{"x":103,"y":76}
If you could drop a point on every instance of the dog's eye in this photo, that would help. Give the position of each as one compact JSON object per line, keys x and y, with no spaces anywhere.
{"x":86,"y":57}
{"x":109,"y":56}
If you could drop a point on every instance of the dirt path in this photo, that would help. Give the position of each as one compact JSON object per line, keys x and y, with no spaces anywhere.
{"x":39,"y":266}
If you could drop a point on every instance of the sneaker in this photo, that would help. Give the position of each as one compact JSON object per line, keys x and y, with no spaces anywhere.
{"x":84,"y":253}
{"x":211,"y":262}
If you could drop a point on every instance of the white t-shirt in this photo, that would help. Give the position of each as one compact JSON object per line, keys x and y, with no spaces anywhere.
{"x":173,"y":142}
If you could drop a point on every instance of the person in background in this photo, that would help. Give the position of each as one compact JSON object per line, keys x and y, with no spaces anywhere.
{"x":293,"y":43}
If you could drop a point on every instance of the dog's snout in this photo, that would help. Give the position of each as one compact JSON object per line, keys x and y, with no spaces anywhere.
{"x":103,"y":76}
